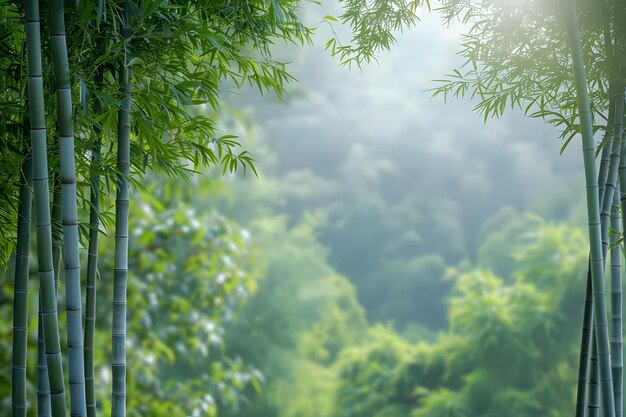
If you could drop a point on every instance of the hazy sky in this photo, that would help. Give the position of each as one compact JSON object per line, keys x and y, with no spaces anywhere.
{"x":386,"y":108}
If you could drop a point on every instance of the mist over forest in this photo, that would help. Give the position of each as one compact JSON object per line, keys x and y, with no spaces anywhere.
{"x":400,"y":175}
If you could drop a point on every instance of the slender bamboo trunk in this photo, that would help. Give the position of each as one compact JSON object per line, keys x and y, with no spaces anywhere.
{"x":617,"y":366}
{"x":92,"y":265}
{"x":118,"y":362}
{"x":593,"y":212}
{"x":42,"y":210}
{"x":607,"y":196}
{"x":602,"y":180}
{"x":43,"y":384}
{"x":67,"y":170}
{"x":593,"y":408}
{"x":588,"y":335}
{"x":614,"y":163}
{"x":57,"y":231}
{"x":20,"y":299}
{"x":617,"y":58}
{"x":616,"y":299}
{"x":607,"y":141}
{"x":583,"y":365}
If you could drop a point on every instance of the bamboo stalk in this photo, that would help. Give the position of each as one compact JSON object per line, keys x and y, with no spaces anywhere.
{"x":57,"y":231}
{"x":20,"y":299}
{"x":607,"y":197}
{"x":593,"y":408}
{"x":593,"y":212}
{"x":67,"y":176}
{"x":42,"y":209}
{"x":617,"y":365}
{"x":118,"y":333}
{"x":616,"y":296}
{"x":92,"y":265}
{"x":43,"y":384}
{"x":588,"y":335}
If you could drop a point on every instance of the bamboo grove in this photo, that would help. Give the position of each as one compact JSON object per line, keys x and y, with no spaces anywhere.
{"x":95,"y":95}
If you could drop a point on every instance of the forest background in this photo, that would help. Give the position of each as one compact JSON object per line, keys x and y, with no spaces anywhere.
{"x":396,"y":257}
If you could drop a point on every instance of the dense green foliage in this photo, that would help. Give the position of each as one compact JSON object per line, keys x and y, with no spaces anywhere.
{"x":201,"y":267}
{"x":170,"y":127}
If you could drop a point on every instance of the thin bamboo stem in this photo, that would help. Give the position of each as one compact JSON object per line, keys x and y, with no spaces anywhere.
{"x":588,"y":335}
{"x":118,"y":361}
{"x":42,"y":210}
{"x":71,"y":259}
{"x":593,"y":212}
{"x":20,"y":299}
{"x":43,"y":384}
{"x":92,"y":265}
{"x":57,"y":231}
{"x":617,"y":362}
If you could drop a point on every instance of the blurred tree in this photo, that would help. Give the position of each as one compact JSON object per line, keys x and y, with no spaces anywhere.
{"x":415,"y":291}
{"x":510,"y":350}
{"x":191,"y":273}
{"x":302,"y":316}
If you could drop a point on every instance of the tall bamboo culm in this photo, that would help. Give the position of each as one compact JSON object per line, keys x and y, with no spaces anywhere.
{"x":43,"y":384}
{"x":92,"y":265}
{"x":583,"y":365}
{"x":118,"y":361}
{"x":57,"y":231}
{"x":593,"y":406}
{"x":20,"y":299}
{"x":90,"y":303}
{"x":617,"y":297}
{"x":615,"y":336}
{"x":42,"y":210}
{"x":617,"y":365}
{"x":587,"y":342}
{"x":67,"y":174}
{"x":593,"y":212}
{"x":607,"y":196}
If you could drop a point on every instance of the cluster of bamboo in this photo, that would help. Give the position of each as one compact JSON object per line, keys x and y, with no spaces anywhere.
{"x":603,"y":205}
{"x":51,"y":397}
